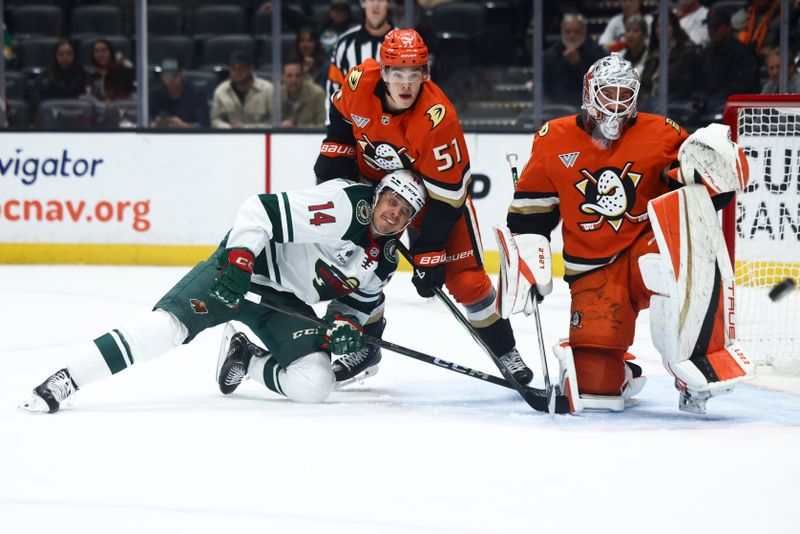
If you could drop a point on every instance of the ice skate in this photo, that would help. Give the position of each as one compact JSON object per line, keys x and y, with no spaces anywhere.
{"x":513,"y":362}
{"x":235,"y":354}
{"x":358,"y":366}
{"x":48,"y":396}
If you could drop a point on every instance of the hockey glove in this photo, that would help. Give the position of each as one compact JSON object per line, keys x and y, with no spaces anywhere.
{"x":233,"y":278}
{"x":428,"y":269}
{"x":345,"y":334}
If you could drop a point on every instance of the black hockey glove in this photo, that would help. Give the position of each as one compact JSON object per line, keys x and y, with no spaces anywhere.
{"x":429,"y":269}
{"x":235,"y":266}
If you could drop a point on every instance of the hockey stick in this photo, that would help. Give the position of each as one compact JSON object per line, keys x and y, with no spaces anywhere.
{"x":399,"y":349}
{"x":511,"y":158}
{"x":538,"y":399}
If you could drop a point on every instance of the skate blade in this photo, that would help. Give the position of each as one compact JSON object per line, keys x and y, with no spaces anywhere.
{"x":371,"y":371}
{"x":34,"y":405}
{"x":227,"y":334}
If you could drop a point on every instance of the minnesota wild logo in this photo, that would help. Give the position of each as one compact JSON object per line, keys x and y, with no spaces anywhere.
{"x":332,"y":283}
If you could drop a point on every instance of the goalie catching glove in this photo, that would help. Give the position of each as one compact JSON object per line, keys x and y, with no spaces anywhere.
{"x":709,"y":157}
{"x":235,"y":266}
{"x":526,"y":270}
{"x":345,"y":335}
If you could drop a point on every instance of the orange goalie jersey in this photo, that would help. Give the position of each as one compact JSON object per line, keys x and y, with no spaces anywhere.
{"x":426,"y":138}
{"x":600,"y":194}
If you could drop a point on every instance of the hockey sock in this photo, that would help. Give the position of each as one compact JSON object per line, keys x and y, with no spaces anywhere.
{"x":498,"y":336}
{"x":115,"y":351}
{"x":266,"y":371}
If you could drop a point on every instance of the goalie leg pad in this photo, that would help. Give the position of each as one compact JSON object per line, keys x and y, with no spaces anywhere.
{"x":692,"y":314}
{"x":569,"y":384}
{"x":525,"y":263}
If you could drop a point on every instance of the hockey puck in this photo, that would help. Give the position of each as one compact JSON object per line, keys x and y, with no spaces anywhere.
{"x":781,"y":290}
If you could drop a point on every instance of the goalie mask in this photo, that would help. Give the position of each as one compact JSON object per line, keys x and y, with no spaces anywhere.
{"x":610,"y":89}
{"x":407,"y":186}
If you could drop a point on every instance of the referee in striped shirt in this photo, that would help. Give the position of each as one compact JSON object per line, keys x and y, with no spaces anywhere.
{"x":358,"y":44}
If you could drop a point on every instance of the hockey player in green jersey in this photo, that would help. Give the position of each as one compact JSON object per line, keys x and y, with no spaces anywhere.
{"x":335,"y":242}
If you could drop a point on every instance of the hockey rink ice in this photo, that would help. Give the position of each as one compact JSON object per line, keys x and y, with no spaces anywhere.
{"x":415,"y":449}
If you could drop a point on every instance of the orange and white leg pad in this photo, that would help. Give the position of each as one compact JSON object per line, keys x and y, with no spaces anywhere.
{"x":568,"y":382}
{"x":692,"y":314}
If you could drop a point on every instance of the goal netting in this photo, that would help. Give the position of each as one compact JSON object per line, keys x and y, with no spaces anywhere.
{"x":763,"y":229}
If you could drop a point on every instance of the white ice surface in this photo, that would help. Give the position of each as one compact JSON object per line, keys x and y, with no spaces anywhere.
{"x":415,"y":449}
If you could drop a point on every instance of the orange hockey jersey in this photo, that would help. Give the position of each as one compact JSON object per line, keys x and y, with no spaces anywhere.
{"x":600,"y":194}
{"x":427,"y":138}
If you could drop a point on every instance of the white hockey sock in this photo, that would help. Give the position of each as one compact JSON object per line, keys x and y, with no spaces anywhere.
{"x":114,"y":351}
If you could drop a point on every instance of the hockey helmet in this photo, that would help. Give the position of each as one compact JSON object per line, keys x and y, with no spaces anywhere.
{"x":610,"y":90}
{"x":404,"y":48}
{"x":405,"y":184}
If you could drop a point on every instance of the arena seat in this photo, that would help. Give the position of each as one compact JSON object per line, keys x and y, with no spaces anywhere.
{"x":65,"y":114}
{"x":37,"y":20}
{"x":95,"y":19}
{"x":164,"y":20}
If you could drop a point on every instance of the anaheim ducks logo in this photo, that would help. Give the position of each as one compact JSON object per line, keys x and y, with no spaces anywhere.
{"x":610,"y":193}
{"x":353,"y":78}
{"x":436,"y":113}
{"x":384,"y":156}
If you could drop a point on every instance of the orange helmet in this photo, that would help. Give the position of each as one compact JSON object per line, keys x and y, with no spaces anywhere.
{"x":403,"y":48}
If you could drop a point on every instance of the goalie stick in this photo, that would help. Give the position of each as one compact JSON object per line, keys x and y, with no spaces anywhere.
{"x":539,"y":399}
{"x":403,"y":351}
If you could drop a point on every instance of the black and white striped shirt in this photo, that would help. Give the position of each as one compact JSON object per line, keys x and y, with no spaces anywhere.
{"x":353,"y":48}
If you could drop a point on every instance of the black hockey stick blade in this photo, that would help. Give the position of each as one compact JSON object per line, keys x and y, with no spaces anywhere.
{"x":538,"y":399}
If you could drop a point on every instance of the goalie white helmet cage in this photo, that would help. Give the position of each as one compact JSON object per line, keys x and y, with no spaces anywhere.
{"x":407,"y":185}
{"x":610,"y":90}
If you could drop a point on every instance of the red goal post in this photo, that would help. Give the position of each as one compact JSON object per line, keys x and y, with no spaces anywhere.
{"x":762,"y":228}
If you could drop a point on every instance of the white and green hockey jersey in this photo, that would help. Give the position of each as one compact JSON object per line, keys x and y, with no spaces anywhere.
{"x":316,"y":244}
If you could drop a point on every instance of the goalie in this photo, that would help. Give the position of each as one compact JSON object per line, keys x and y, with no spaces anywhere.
{"x":637,"y":198}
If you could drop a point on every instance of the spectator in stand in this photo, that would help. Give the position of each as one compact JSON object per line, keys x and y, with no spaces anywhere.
{"x":360,"y":43}
{"x":682,"y":64}
{"x":726,"y":66}
{"x":8,"y":48}
{"x":244,"y":100}
{"x":302,"y":101}
{"x":613,"y":37}
{"x":315,"y":61}
{"x":635,"y":49}
{"x":762,"y":25}
{"x":340,"y":18}
{"x":177,"y":104}
{"x":772,"y":85}
{"x":64,"y":78}
{"x":693,"y":20}
{"x":294,"y":18}
{"x":567,"y":61}
{"x":112,"y":75}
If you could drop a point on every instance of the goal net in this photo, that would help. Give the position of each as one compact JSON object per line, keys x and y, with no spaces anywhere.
{"x":763,"y":228}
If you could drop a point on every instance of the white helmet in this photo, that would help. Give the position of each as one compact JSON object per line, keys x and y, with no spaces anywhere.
{"x":610,"y":110}
{"x":407,"y":185}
